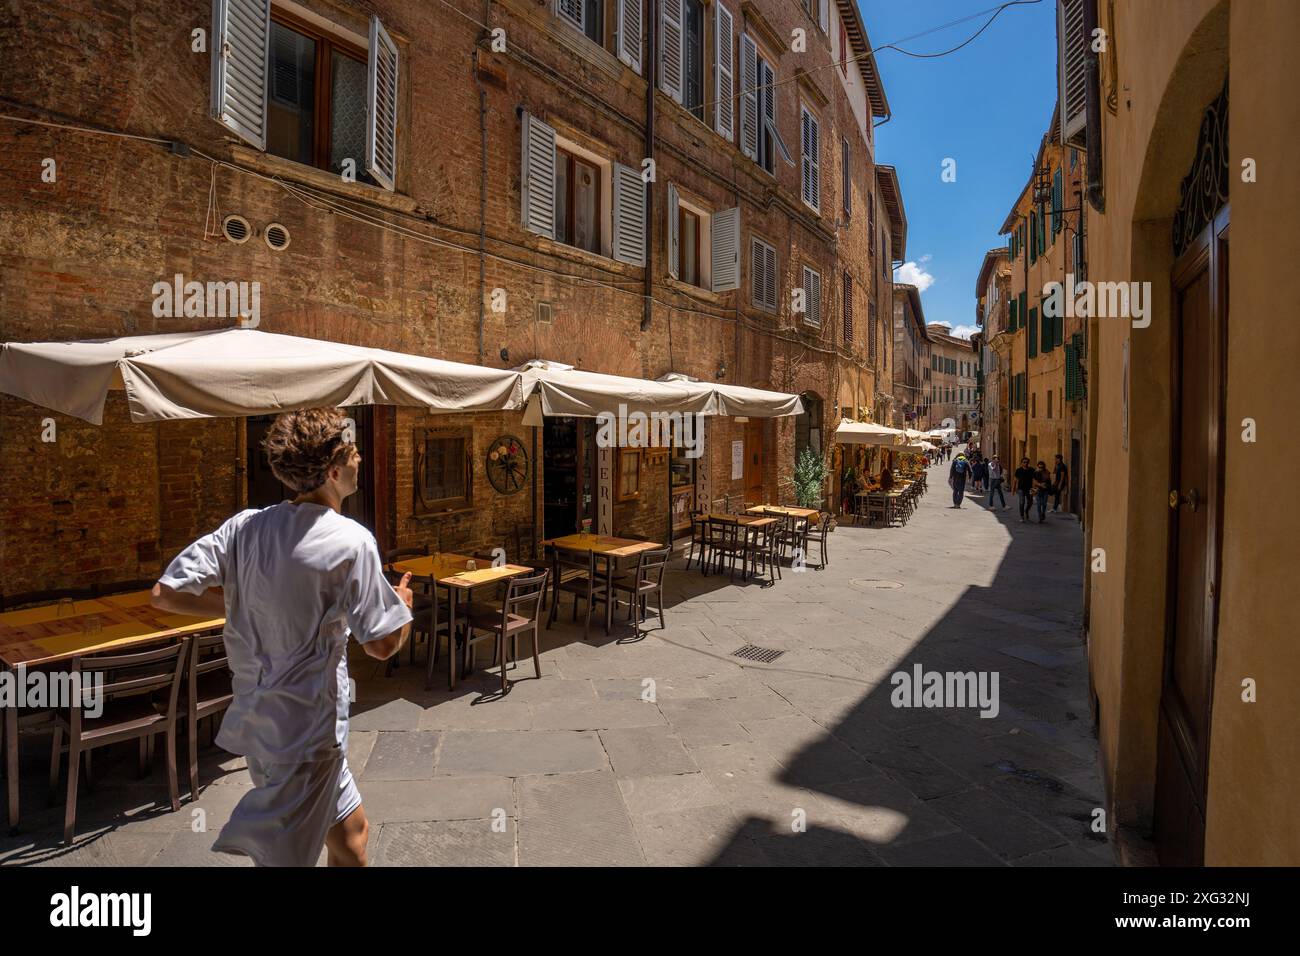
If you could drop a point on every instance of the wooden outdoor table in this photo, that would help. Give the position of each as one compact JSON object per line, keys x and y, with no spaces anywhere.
{"x":747,"y":520}
{"x":808,"y":513}
{"x":613,"y":548}
{"x":51,"y":633}
{"x":451,"y":571}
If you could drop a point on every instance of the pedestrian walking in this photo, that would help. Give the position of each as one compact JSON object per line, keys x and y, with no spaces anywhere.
{"x":1042,"y":487}
{"x":1060,"y":481}
{"x":980,"y":472}
{"x":995,"y":482}
{"x":957,"y":476}
{"x":296,"y":579}
{"x":1024,"y":479}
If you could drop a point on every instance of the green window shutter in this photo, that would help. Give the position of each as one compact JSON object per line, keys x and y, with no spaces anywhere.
{"x":1060,"y":330}
{"x":1033,"y":332}
{"x":1049,"y":331}
{"x":1024,"y":301}
{"x":1011,"y":317}
{"x":1033,"y":233}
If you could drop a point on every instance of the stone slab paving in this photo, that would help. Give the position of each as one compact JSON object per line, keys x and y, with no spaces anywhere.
{"x":664,"y":749}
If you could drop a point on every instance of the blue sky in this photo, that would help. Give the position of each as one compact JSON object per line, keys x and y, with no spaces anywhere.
{"x":985,"y":106}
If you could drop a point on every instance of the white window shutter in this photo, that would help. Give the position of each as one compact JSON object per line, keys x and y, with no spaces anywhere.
{"x":671,"y":57}
{"x":1072,"y":48}
{"x":815,"y":298}
{"x":824,"y":15}
{"x":748,"y":97}
{"x":724,"y":249}
{"x":629,"y":215}
{"x":674,"y":237}
{"x":724,"y":87}
{"x":241,"y":41}
{"x":571,"y":10}
{"x":381,"y":107}
{"x":810,"y":148}
{"x":537,"y":179}
{"x":627,"y":32}
{"x":756,"y":266}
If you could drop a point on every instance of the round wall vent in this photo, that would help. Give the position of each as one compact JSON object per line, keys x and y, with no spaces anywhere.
{"x":277,"y":237}
{"x":236,"y":229}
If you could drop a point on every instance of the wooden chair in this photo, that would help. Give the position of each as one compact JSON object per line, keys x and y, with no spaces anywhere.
{"x":646,"y":580}
{"x":760,"y":550}
{"x":818,"y":537}
{"x":699,"y":546}
{"x":727,"y":543}
{"x":207,"y":692}
{"x":128,"y":714}
{"x":579,"y":573}
{"x":517,"y":615}
{"x":421,"y":596}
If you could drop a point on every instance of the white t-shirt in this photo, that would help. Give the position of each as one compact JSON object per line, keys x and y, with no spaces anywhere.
{"x":995,"y":470}
{"x":297,"y":580}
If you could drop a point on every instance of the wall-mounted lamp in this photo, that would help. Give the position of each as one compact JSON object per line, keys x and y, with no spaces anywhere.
{"x":505,"y":354}
{"x":722,"y":369}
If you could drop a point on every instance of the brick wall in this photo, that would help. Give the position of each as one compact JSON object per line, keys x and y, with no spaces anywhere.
{"x":79,"y":257}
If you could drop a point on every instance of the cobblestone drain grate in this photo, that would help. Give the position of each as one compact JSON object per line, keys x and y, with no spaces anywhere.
{"x":752,"y":652}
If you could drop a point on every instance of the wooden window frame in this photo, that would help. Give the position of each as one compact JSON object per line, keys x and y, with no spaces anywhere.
{"x":569,"y":161}
{"x":620,"y":455}
{"x":323,"y":94}
{"x":682,"y":213}
{"x":420,"y":438}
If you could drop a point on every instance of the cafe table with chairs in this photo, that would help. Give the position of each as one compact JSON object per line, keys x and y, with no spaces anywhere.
{"x":114,"y":634}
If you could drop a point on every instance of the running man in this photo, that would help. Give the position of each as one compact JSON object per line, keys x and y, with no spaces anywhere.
{"x":297,"y":578}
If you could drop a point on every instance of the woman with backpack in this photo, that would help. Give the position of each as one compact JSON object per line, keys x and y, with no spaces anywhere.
{"x":957,"y":475}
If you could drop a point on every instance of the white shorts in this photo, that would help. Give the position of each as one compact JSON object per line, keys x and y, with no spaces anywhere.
{"x":284,"y":819}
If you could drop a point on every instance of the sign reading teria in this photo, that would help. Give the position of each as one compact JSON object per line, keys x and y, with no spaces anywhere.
{"x":1105,"y":300}
{"x":654,"y":430}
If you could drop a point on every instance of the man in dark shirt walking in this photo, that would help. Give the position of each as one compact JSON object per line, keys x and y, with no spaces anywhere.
{"x":1060,"y":481}
{"x":957,"y":476}
{"x":1024,"y":479}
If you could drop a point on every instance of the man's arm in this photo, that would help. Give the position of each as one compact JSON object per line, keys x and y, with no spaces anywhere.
{"x":385,"y":647}
{"x":211,"y":603}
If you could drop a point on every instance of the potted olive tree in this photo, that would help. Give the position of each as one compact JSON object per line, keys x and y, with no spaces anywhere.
{"x":810,"y":473}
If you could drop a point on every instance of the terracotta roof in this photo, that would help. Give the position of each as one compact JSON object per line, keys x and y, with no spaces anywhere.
{"x":990,"y":261}
{"x":887,"y":177}
{"x":865,"y":59}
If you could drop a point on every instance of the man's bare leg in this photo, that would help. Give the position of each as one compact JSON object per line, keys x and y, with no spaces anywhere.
{"x":346,"y":840}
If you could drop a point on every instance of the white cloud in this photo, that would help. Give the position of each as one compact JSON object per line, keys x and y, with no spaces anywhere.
{"x":964,"y":331}
{"x":912,"y":273}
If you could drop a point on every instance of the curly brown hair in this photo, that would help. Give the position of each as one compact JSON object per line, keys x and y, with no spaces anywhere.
{"x":303,"y":446}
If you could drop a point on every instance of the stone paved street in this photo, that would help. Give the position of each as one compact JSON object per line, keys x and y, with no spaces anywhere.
{"x":730,"y":756}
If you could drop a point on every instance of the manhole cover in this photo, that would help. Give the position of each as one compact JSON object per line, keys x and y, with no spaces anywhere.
{"x":752,"y":652}
{"x":875,"y":583}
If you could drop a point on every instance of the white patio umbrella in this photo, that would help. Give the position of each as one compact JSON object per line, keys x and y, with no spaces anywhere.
{"x":868,"y":433}
{"x":238,"y":372}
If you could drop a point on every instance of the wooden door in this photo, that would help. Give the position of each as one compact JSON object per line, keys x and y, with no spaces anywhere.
{"x":754,"y":462}
{"x":1200,"y":304}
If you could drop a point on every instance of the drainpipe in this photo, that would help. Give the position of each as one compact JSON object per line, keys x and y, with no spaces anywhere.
{"x":1092,"y":109}
{"x":649,"y":65}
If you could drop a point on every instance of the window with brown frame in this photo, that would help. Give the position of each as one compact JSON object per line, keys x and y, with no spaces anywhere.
{"x":627,"y":474}
{"x":688,"y":232}
{"x":443,"y":469}
{"x":577,"y":201}
{"x":316,"y":97}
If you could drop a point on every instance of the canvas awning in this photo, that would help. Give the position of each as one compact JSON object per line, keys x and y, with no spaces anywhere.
{"x":237,"y":372}
{"x":554,"y":389}
{"x":868,"y":433}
